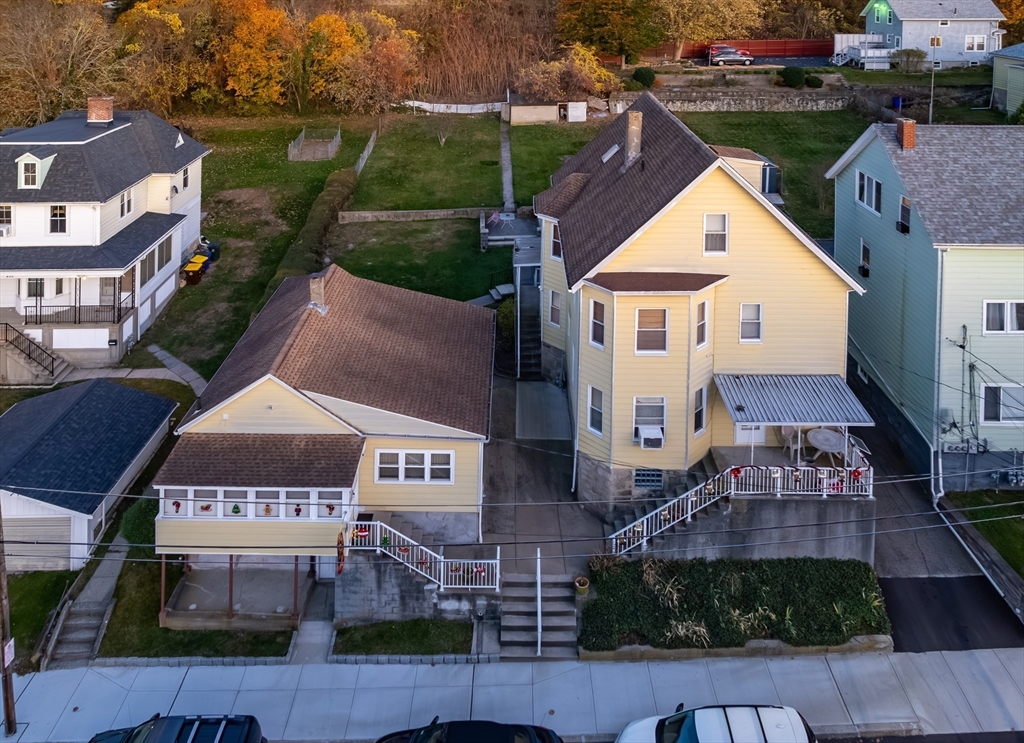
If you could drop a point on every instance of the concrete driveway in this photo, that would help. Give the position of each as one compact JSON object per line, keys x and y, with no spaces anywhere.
{"x":528,"y":501}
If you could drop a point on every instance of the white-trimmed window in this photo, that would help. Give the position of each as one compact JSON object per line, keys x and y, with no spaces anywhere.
{"x":648,"y":411}
{"x":904,"y":223}
{"x":163,"y":253}
{"x":6,"y":214}
{"x":751,"y":320}
{"x":1002,"y":403}
{"x":702,"y":324}
{"x":30,"y":175}
{"x":888,"y":38}
{"x":974,"y":43}
{"x":888,"y":16}
{"x":869,"y":192}
{"x":35,"y":288}
{"x":147,"y":268}
{"x":58,"y":219}
{"x":126,"y":203}
{"x":878,"y":15}
{"x":651,"y":331}
{"x":716,"y":234}
{"x":435,"y":467}
{"x":595,"y":410}
{"x":1004,"y":317}
{"x":58,"y":287}
{"x":596,"y":323}
{"x":556,"y":242}
{"x":555,"y":309}
{"x":700,"y":400}
{"x":184,"y":178}
{"x":865,"y":258}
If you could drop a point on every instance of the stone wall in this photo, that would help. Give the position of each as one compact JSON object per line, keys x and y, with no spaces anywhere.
{"x":373,"y":588}
{"x":729,"y":99}
{"x":768,"y":527}
{"x":608,"y":492}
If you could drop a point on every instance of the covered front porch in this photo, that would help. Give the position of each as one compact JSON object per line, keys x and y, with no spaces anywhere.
{"x":33,"y":299}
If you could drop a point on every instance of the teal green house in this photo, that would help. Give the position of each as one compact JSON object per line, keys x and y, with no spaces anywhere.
{"x":931,"y":221}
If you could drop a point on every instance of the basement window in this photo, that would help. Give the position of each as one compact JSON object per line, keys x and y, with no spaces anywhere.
{"x":648,"y":479}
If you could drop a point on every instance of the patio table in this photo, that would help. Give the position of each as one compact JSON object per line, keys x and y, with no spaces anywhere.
{"x":507,"y":218}
{"x":826,"y":442}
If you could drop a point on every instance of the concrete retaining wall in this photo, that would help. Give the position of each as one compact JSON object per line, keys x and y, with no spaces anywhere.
{"x":728,"y":99}
{"x":754,"y":648}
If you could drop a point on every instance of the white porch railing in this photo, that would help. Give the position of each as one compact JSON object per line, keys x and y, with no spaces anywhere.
{"x":445,"y":572}
{"x":746,"y":480}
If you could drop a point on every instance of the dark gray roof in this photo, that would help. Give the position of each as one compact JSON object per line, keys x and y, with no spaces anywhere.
{"x":611,"y":205}
{"x":793,"y":399}
{"x":80,"y":438}
{"x":1013,"y":52}
{"x":119,"y":252}
{"x":952,"y":10}
{"x":94,"y":162}
{"x":965,"y":181}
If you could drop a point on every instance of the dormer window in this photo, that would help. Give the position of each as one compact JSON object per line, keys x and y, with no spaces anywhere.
{"x":33,"y":166}
{"x":29,"y":175}
{"x":126,"y":203}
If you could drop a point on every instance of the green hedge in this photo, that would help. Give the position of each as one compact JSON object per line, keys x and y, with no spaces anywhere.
{"x":793,"y":77}
{"x":305,"y":255}
{"x":645,"y":76}
{"x":725,"y":603}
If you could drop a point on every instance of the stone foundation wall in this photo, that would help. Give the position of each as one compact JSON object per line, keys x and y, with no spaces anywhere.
{"x":730,"y":99}
{"x":444,"y":528}
{"x":552,"y":363}
{"x":608,"y":491}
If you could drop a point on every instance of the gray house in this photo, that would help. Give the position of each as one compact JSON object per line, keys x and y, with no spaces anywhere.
{"x":1008,"y":78}
{"x":931,"y":218}
{"x":965,"y":32}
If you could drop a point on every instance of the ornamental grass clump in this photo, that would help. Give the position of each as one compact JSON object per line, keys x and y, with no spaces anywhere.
{"x":726,"y":603}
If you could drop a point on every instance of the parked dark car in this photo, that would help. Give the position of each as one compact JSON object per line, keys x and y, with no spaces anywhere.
{"x":192,"y":729}
{"x":731,"y":57}
{"x":472,"y":731}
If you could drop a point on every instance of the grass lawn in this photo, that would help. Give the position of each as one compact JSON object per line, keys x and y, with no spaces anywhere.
{"x":414,"y":637}
{"x":437,"y":257}
{"x":956,"y":115}
{"x":981,"y":75}
{"x":33,"y":596}
{"x":134,"y":629}
{"x":256,"y":202}
{"x":1006,"y":536}
{"x":537,"y":152}
{"x":802,"y":144}
{"x":409,"y":169}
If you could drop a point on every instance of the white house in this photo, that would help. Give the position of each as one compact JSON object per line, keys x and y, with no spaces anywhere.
{"x":98,"y":209}
{"x":954,"y":33}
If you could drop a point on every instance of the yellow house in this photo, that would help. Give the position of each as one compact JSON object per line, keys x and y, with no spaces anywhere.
{"x":344,"y":398}
{"x":683,"y":310}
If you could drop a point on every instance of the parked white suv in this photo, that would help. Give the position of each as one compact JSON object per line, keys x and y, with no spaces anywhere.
{"x":721,"y":724}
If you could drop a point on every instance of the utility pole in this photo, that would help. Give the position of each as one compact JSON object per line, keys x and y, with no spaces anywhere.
{"x":6,"y":673}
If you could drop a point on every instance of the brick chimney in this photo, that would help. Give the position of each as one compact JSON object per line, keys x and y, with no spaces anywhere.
{"x":316,"y":290}
{"x":100,"y":110}
{"x":634,"y":123}
{"x":906,"y":130}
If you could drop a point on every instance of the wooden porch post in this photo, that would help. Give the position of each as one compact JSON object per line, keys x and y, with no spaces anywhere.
{"x":163,"y":585}
{"x":231,"y":586}
{"x":295,"y":591}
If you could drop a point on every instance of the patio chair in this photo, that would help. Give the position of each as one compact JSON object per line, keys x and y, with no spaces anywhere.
{"x":789,"y":441}
{"x":494,"y":219}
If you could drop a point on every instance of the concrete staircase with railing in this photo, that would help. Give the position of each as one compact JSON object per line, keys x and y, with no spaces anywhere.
{"x":519,"y":617}
{"x":529,"y":334}
{"x":27,"y":362}
{"x":79,"y":635}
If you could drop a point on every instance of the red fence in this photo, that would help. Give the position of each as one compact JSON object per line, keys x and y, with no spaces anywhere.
{"x":757,"y":47}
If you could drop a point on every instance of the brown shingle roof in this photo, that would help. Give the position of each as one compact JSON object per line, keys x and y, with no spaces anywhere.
{"x":263,"y":459}
{"x":613,"y":204}
{"x":556,"y":200}
{"x":739,"y":153}
{"x":643,"y":281}
{"x":378,"y":345}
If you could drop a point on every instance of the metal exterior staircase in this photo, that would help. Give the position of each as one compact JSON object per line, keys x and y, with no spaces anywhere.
{"x":519,"y":617}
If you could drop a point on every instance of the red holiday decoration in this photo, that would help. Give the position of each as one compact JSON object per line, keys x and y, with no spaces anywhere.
{"x":857,"y":474}
{"x":177,"y":505}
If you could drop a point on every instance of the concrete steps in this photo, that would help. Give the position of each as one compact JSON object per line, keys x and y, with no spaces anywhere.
{"x":519,"y":617}
{"x":76,"y":643}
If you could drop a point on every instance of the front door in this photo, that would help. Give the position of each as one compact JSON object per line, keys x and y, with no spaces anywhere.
{"x":108,"y":288}
{"x":749,"y":433}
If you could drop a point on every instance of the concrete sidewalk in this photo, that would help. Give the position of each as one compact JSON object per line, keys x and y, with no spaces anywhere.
{"x":971,"y":691}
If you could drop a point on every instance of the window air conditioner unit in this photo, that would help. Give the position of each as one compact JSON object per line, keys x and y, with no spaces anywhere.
{"x":863,"y":270}
{"x":5,"y":230}
{"x":903,"y":228}
{"x":652,"y":437}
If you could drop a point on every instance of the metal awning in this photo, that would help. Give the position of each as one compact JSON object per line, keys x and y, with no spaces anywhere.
{"x":791,"y":400}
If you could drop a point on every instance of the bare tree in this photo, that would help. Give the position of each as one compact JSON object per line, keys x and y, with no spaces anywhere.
{"x":443,"y":126}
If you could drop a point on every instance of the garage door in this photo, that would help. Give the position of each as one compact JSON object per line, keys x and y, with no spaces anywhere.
{"x":38,"y":556}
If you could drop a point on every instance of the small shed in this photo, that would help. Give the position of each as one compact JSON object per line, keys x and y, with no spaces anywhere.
{"x":1008,"y":78}
{"x":65,"y":457}
{"x":518,"y":110}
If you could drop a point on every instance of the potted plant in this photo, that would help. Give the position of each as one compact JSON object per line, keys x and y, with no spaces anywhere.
{"x":582,"y":585}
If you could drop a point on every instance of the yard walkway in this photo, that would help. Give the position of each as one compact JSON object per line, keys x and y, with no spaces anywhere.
{"x":79,"y":375}
{"x":183,"y":370}
{"x":857,"y":693}
{"x":507,"y":194}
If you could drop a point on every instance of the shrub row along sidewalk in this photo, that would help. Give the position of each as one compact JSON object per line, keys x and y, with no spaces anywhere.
{"x":726,"y":603}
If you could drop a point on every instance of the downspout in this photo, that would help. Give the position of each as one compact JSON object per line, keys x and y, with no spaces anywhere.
{"x":689,"y":391}
{"x":574,"y":419}
{"x":937,"y":491}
